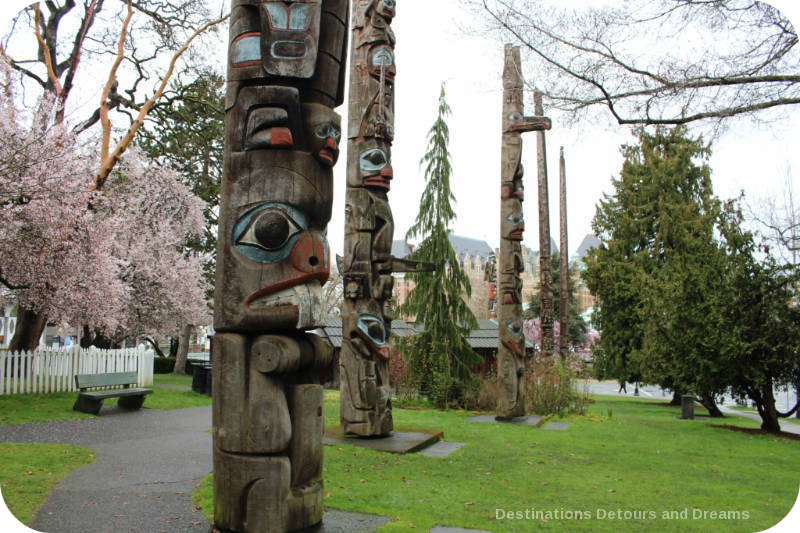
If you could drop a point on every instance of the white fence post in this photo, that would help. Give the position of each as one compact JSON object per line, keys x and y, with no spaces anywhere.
{"x":47,"y":370}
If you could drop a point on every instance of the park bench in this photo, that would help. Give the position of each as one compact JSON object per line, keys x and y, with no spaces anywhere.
{"x":94,"y":388}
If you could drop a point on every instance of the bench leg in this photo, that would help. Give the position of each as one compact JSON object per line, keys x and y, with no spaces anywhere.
{"x":87,"y":405}
{"x":131,"y":402}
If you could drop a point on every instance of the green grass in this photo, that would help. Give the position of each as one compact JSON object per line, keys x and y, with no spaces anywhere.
{"x":29,"y":471}
{"x":173,"y":379}
{"x":29,"y":408}
{"x":625,"y":454}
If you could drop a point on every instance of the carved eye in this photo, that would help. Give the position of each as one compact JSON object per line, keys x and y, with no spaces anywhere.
{"x":515,"y":116}
{"x":374,"y":327}
{"x":270,"y":231}
{"x":382,"y":57}
{"x":323,"y":131}
{"x":514,"y":326}
{"x":267,"y":232}
{"x":374,"y":160}
{"x":514,"y":219}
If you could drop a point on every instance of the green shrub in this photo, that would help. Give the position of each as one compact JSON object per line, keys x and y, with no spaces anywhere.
{"x":163,"y":365}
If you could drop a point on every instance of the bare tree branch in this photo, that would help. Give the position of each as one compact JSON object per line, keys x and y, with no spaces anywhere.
{"x":655,"y":61}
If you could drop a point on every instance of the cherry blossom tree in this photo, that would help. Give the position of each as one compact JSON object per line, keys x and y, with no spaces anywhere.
{"x":111,"y":260}
{"x":130,"y":51}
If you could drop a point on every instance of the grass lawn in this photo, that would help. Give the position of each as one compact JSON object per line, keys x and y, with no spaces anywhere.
{"x":34,"y":469}
{"x":28,"y":408}
{"x":626,"y":455}
{"x":184,"y":380}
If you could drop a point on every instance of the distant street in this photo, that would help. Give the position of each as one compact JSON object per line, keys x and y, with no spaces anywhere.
{"x":784,"y":400}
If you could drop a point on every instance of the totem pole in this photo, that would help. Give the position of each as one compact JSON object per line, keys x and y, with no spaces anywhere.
{"x":490,"y":276}
{"x":511,"y":345}
{"x":285,"y":76}
{"x":367,"y":264}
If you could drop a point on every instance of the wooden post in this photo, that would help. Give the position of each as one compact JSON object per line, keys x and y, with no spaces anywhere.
{"x":285,"y":75}
{"x":563,"y":295}
{"x":511,"y":341}
{"x":545,"y":276}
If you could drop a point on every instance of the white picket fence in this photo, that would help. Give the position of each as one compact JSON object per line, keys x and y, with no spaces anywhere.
{"x":46,"y":370}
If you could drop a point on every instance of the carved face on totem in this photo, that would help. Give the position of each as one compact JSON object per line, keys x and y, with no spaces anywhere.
{"x":514,"y":224}
{"x":381,"y":63}
{"x":371,"y":330}
{"x":280,"y":36}
{"x":374,"y":165}
{"x":324,"y":130}
{"x":293,"y":257}
{"x":512,"y":337}
{"x":386,"y":8}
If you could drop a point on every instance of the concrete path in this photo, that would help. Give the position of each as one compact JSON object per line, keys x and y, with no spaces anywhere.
{"x":148,"y":463}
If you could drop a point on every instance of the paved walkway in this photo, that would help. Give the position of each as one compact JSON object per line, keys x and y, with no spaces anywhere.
{"x":148,"y":463}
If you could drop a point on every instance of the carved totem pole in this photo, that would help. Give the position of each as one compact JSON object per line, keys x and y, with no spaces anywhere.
{"x":367,"y":265}
{"x":490,"y":276}
{"x":285,"y":76}
{"x":511,"y":345}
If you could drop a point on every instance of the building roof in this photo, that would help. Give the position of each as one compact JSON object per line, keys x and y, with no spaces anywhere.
{"x":484,"y":337}
{"x":590,"y":241}
{"x":332,"y":330}
{"x":461,"y":245}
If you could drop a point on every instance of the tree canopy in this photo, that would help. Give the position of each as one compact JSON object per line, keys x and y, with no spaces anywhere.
{"x":685,"y":301}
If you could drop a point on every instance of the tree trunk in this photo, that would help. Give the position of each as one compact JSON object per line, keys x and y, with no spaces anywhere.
{"x":676,"y":398}
{"x":30,"y":326}
{"x":767,"y":411}
{"x":707,"y":401}
{"x":155,"y":346}
{"x":183,"y":349}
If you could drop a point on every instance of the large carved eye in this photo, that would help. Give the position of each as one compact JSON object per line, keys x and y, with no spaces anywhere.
{"x":374,"y":327}
{"x":267,"y":232}
{"x":382,"y":57}
{"x":270,"y":231}
{"x":515,"y":116}
{"x":514,"y":326}
{"x":329,"y":129}
{"x":373,"y":160}
{"x":515,"y":219}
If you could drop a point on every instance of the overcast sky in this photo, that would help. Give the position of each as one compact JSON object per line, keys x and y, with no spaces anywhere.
{"x":433,"y":48}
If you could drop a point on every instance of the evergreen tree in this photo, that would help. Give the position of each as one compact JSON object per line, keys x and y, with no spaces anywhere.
{"x":760,"y":321}
{"x":657,"y":267}
{"x":440,"y":357}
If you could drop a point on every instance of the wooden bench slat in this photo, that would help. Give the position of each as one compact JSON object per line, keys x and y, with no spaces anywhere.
{"x":87,"y":381}
{"x":94,"y":388}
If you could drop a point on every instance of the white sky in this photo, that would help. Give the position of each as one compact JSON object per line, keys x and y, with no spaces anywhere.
{"x":432,"y":48}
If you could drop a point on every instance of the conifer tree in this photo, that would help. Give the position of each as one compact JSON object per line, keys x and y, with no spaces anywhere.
{"x":440,"y":357}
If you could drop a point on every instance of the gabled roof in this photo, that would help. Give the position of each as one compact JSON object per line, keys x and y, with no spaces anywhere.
{"x":590,"y":241}
{"x":332,"y":330}
{"x":461,"y":245}
{"x":484,"y":337}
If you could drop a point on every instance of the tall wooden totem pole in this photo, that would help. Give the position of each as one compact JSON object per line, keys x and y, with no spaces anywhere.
{"x":285,"y":76}
{"x":367,"y":265}
{"x":511,"y":345}
{"x":490,"y":276}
